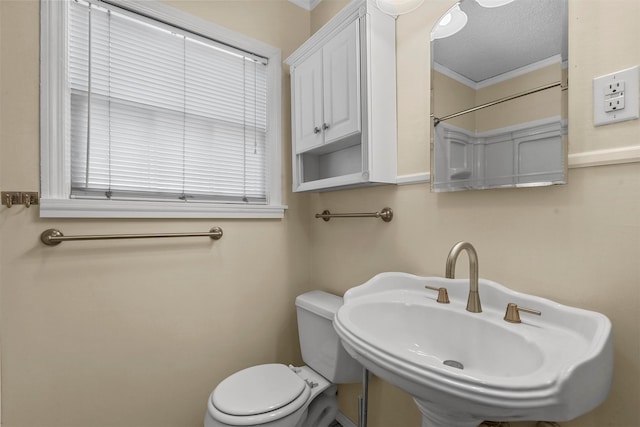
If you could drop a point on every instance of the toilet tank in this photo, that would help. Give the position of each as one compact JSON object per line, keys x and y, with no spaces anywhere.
{"x":321,"y":348}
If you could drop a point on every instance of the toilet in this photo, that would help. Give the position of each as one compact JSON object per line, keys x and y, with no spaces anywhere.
{"x":277,"y":395}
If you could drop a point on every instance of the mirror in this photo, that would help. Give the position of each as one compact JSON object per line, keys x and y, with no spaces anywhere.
{"x":499,"y":95}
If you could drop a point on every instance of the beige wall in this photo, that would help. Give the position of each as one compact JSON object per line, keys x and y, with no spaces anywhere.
{"x":592,"y":53}
{"x":137,"y":333}
{"x":324,"y":11}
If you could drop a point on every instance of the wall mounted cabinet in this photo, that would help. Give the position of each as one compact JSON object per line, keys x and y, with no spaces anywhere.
{"x":343,"y":101}
{"x":326,"y":87}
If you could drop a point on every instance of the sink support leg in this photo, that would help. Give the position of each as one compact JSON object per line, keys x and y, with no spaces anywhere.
{"x":363,"y":401}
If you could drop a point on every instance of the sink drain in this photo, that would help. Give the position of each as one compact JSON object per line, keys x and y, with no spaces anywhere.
{"x":454,"y":364}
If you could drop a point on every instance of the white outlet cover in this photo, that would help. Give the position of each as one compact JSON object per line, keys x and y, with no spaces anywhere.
{"x":631,"y":93}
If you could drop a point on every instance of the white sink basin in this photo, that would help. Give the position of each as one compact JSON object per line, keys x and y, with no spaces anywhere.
{"x":553,"y":367}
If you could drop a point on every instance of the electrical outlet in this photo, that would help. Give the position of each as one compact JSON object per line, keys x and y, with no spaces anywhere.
{"x":614,"y":104}
{"x":614,"y":88}
{"x":616,"y":97}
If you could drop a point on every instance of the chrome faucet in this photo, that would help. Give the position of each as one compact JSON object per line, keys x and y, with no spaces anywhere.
{"x":473,"y":302}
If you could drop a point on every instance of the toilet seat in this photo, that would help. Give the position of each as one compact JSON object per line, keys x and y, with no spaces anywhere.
{"x":258,"y":395}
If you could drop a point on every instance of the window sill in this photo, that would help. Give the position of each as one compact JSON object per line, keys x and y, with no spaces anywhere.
{"x":74,"y":208}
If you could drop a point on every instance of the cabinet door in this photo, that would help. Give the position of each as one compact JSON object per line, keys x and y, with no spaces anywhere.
{"x":307,"y":103}
{"x":341,"y":88}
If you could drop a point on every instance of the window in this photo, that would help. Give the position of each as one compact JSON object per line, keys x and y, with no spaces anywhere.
{"x":145,"y":119}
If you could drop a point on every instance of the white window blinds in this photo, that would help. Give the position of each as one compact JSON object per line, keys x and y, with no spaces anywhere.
{"x":159,"y":113}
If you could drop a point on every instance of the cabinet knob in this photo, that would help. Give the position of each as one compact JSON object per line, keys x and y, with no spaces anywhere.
{"x":316,"y":130}
{"x":325,"y":126}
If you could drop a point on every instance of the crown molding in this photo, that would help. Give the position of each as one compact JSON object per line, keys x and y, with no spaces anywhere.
{"x":306,"y":4}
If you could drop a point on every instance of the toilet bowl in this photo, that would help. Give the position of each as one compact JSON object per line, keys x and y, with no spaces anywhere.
{"x":273,"y":395}
{"x":277,"y":395}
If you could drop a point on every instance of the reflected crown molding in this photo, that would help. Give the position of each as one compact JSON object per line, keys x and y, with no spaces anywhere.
{"x":500,"y":78}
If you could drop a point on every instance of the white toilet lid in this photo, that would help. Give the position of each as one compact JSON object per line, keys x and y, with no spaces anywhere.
{"x":258,"y":389}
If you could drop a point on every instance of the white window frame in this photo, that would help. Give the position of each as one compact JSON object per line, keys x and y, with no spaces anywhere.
{"x":55,"y":162}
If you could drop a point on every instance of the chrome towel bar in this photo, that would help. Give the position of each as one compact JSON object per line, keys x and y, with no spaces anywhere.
{"x":53,"y":237}
{"x":386,"y":214}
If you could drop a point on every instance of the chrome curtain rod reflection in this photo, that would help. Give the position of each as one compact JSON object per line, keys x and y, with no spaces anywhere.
{"x":386,"y":214}
{"x":53,"y":237}
{"x":498,"y":101}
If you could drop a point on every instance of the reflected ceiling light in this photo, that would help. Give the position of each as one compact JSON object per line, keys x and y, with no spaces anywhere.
{"x":493,"y":3}
{"x":452,"y":22}
{"x":398,"y":7}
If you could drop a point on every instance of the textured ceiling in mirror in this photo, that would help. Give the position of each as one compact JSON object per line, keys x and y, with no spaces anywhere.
{"x":502,"y":39}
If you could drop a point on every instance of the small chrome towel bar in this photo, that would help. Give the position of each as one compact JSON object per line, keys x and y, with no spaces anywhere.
{"x":53,"y":237}
{"x":385,"y":214}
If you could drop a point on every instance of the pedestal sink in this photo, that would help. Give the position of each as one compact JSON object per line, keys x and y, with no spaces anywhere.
{"x":462,"y":368}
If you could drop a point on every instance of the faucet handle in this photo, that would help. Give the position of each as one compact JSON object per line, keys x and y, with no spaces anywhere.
{"x":443,"y":295}
{"x":513,"y":313}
